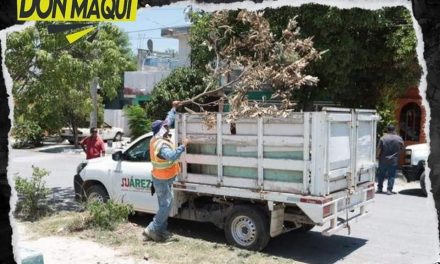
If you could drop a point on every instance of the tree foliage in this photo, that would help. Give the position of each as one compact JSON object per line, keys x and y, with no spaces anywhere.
{"x":368,"y":53}
{"x":181,"y":84}
{"x":33,"y":194}
{"x":26,"y":133}
{"x":137,"y":120}
{"x":200,"y":54}
{"x":247,"y":45}
{"x":52,"y":78}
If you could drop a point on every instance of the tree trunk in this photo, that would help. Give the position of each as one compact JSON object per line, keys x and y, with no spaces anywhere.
{"x":94,"y":96}
{"x":75,"y":135}
{"x":427,"y":14}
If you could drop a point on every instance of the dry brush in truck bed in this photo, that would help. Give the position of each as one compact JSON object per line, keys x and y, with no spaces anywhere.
{"x":244,"y":44}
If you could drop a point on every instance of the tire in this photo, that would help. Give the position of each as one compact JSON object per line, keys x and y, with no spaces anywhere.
{"x":97,"y":193}
{"x":71,"y":142}
{"x":423,"y":184}
{"x":118,"y":137}
{"x":247,"y":227}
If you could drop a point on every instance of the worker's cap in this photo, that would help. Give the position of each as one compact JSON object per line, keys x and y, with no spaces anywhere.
{"x":155,"y":127}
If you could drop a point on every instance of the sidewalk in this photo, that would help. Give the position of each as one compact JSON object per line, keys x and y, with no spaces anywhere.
{"x":70,"y":250}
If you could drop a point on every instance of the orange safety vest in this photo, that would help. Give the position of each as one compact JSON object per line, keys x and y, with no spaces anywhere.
{"x":162,"y":169}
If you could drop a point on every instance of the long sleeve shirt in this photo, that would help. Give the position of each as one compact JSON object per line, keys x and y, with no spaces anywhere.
{"x":165,"y":151}
{"x":171,"y":116}
{"x":169,"y":154}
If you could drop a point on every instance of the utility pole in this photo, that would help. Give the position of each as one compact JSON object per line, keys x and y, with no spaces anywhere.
{"x":94,"y":96}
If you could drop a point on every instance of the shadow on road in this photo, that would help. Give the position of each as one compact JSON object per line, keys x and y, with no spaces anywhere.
{"x":310,"y":247}
{"x":63,"y":199}
{"x":414,"y":192}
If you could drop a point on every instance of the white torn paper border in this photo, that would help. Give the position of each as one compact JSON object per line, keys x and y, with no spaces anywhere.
{"x":8,"y":82}
{"x":343,"y":4}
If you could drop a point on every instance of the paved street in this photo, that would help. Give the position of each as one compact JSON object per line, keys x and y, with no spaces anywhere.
{"x":400,"y":228}
{"x":60,"y":160}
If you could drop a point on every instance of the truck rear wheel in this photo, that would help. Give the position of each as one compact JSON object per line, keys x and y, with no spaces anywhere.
{"x":96,"y":193}
{"x":423,"y":184}
{"x":247,"y":227}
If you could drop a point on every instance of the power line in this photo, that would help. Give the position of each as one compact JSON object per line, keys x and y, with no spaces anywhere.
{"x":151,"y":29}
{"x":142,"y":30}
{"x":141,"y":38}
{"x":162,"y":25}
{"x":169,"y":9}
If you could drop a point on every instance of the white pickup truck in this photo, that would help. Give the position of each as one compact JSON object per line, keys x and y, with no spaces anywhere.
{"x":414,"y":165}
{"x":265,"y":177}
{"x":106,"y":132}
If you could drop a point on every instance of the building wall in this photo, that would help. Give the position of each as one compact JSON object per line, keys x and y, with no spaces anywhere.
{"x":142,"y":82}
{"x":117,"y":118}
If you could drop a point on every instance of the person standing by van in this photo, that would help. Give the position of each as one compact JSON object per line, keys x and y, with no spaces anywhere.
{"x":93,"y":145}
{"x":389,"y":149}
{"x":164,"y":158}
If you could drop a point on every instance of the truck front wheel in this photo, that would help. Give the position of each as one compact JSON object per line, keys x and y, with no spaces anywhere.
{"x":247,"y":227}
{"x":96,"y":193}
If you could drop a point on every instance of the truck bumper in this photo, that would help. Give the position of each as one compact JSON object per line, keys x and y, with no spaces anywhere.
{"x":345,"y":209}
{"x":78,"y":187}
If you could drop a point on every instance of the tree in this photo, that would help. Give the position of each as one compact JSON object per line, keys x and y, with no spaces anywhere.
{"x":137,"y":120}
{"x":200,"y":54}
{"x":52,"y":78}
{"x":247,"y":45}
{"x":372,"y":58}
{"x":181,"y":84}
{"x":371,"y":54}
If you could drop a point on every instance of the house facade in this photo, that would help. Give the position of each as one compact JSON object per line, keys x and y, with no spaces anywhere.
{"x":411,"y":117}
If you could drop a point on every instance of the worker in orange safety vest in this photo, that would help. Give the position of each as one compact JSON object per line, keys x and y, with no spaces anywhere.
{"x":164,"y":158}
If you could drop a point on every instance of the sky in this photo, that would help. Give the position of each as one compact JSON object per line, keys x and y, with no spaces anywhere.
{"x":147,"y":26}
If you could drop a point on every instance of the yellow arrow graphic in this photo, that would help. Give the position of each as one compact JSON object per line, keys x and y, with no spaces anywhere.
{"x":77,"y":35}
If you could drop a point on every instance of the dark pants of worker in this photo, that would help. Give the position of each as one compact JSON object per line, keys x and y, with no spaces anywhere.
{"x":390,"y":171}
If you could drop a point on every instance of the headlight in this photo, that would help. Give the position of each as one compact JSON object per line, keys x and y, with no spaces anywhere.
{"x":408,"y":153}
{"x":81,"y":166}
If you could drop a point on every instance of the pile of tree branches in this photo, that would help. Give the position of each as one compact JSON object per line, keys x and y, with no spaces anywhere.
{"x":262,"y":60}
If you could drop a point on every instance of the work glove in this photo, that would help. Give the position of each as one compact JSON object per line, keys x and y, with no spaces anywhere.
{"x":152,"y":189}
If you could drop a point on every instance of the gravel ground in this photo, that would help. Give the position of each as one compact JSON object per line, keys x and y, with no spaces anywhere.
{"x":72,"y":250}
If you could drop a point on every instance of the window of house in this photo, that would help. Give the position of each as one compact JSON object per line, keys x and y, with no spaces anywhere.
{"x":410,"y":119}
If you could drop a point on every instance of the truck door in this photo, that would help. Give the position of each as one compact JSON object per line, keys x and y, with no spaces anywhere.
{"x":339,"y":150}
{"x":351,"y":148}
{"x":365,"y":135}
{"x":132,"y":178}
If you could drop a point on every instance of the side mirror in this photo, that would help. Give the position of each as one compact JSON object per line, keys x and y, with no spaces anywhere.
{"x":117,"y":156}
